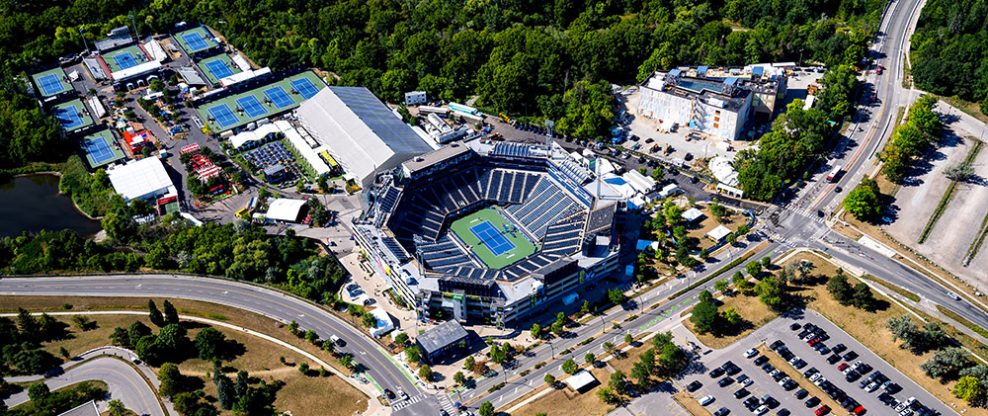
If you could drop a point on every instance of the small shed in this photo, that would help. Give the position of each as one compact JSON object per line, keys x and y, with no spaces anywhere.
{"x":581,"y":381}
{"x":718,"y":234}
{"x":692,"y":214}
{"x":287,"y":210}
{"x":383,"y":323}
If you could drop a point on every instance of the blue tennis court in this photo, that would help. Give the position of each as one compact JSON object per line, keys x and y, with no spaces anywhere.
{"x":50,"y":85}
{"x":125,"y":60}
{"x":195,"y":41}
{"x":69,"y":117}
{"x":99,"y":150}
{"x":223,"y":115}
{"x":304,"y":87}
{"x":219,"y":69}
{"x":491,"y":238}
{"x":251,"y":106}
{"x":278,"y":97}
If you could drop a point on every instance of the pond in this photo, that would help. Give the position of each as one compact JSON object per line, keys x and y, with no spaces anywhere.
{"x":32,"y":203}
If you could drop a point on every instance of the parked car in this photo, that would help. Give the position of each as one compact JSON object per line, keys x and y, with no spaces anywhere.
{"x":750,"y":353}
{"x":723,"y":411}
{"x":812,"y":401}
{"x":724,"y":382}
{"x":694,"y":386}
{"x":705,"y":400}
{"x":822,"y":410}
{"x":741,"y":393}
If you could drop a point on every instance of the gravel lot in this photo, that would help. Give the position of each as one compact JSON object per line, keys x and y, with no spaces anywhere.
{"x":763,"y":383}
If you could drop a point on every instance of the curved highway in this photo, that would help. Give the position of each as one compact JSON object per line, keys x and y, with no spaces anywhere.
{"x":257,"y":299}
{"x":123,"y":381}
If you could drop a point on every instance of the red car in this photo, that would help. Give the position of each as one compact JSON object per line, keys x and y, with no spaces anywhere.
{"x":822,"y":410}
{"x":842,"y":367}
{"x":813,"y":341}
{"x":879,"y":69}
{"x":860,"y":410}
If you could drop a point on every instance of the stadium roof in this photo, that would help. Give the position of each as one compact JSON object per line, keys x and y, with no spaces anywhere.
{"x":441,"y":336}
{"x":283,"y":209}
{"x":141,"y":178}
{"x":360,"y":131}
{"x":117,"y":37}
{"x":435,"y":156}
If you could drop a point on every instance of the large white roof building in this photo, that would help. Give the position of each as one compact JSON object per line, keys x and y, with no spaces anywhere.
{"x":361,"y":133}
{"x":142,"y":179}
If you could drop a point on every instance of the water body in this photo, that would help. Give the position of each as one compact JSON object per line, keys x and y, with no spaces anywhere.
{"x":32,"y":203}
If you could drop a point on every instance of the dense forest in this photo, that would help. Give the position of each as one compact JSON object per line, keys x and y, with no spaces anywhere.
{"x":519,"y":56}
{"x":948,"y":50}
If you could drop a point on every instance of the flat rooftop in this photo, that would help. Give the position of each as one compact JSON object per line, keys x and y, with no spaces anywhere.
{"x":439,"y":155}
{"x":442,"y":336}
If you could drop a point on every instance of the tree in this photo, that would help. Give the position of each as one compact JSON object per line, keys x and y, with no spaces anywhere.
{"x":609,"y":347}
{"x":960,"y":172}
{"x":589,"y":358}
{"x":903,"y":328}
{"x":570,"y":366}
{"x":226,"y":394}
{"x":766,"y":262}
{"x":606,"y":395}
{"x":38,"y":392}
{"x":971,"y":390}
{"x":770,"y":291}
{"x":83,"y":323}
{"x":116,"y":408}
{"x":840,"y":289}
{"x":63,"y":352}
{"x":486,"y":409}
{"x":618,"y":382}
{"x":753,"y":268}
{"x":641,"y":375}
{"x":616,"y":296}
{"x":628,"y":339}
{"x":585,"y":307}
{"x":170,"y":314}
{"x":346,"y":360}
{"x":210,"y":343}
{"x":498,"y":354}
{"x":155,"y":315}
{"x":536,"y":331}
{"x":704,"y":317}
{"x":425,"y":373}
{"x":864,"y":200}
{"x":170,"y":379}
{"x":862,"y":297}
{"x":946,"y":364}
{"x":459,"y":378}
{"x":721,"y":286}
{"x":469,"y":362}
{"x":741,"y":283}
{"x":413,"y":354}
{"x":732,"y":317}
{"x":550,"y":380}
{"x":119,"y":338}
{"x":400,"y":339}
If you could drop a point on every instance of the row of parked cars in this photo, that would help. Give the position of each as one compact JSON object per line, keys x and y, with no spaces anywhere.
{"x":732,"y":374}
{"x":852,"y":370}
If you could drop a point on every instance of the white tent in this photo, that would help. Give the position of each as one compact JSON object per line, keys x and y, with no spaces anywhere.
{"x":581,"y":381}
{"x":383,"y":325}
{"x":692,"y":214}
{"x":283,"y":209}
{"x":718,"y":233}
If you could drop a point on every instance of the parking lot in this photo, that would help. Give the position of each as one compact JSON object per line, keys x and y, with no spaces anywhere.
{"x":792,"y":347}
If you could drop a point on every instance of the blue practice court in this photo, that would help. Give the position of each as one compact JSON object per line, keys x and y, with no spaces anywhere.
{"x":223,"y":115}
{"x":195,"y":41}
{"x":125,"y":60}
{"x":492,"y":238}
{"x":99,"y":150}
{"x":69,"y":117}
{"x":50,"y":85}
{"x":278,"y":97}
{"x":304,"y":87}
{"x":251,"y":106}
{"x":219,"y":69}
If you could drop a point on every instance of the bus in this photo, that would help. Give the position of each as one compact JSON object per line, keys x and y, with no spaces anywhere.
{"x":832,"y":176}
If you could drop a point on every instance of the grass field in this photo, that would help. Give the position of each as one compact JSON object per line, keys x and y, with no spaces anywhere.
{"x":463,"y":229}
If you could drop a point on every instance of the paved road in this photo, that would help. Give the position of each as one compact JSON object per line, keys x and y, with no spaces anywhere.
{"x":264,"y":301}
{"x":123,"y":380}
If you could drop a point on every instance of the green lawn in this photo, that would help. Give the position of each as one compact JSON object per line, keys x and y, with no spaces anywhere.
{"x":522,"y":247}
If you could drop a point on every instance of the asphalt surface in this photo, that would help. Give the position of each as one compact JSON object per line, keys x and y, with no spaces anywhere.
{"x":264,"y":301}
{"x":764,"y":384}
{"x":108,"y":365}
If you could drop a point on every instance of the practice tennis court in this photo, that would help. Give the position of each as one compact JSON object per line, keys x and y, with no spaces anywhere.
{"x":124,"y":58}
{"x":251,"y":106}
{"x":223,"y":116}
{"x":99,"y":149}
{"x":72,"y":115}
{"x":304,"y":87}
{"x":51,"y":85}
{"x":195,"y":41}
{"x":278,"y":97}
{"x":492,"y":238}
{"x":51,"y":82}
{"x":219,"y":69}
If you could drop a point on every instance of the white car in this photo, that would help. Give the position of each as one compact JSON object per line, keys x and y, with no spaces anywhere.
{"x":750,"y":353}
{"x":761,"y":410}
{"x":705,"y":400}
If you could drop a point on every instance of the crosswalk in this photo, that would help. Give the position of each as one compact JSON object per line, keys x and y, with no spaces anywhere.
{"x":447,"y":405}
{"x":405,"y":403}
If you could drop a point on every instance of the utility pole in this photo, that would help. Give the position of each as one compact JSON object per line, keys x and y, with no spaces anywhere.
{"x":83,"y":37}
